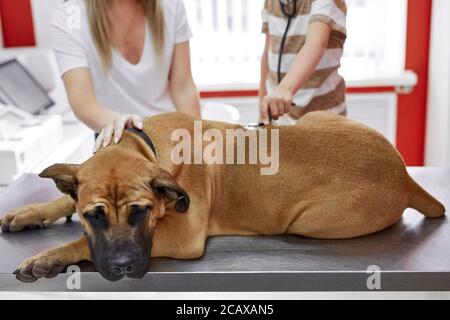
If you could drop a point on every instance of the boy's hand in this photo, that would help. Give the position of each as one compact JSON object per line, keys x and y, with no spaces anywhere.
{"x":276,"y":105}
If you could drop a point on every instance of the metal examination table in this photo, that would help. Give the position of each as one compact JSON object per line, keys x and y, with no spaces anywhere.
{"x":413,"y":255}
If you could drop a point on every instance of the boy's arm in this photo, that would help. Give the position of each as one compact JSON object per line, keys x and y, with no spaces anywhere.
{"x":280,"y":102}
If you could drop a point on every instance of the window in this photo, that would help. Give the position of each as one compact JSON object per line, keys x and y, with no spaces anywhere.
{"x":228,"y":43}
{"x":375,"y":46}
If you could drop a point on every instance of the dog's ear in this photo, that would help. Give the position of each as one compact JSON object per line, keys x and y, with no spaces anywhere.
{"x":165,"y":185}
{"x":64,"y":176}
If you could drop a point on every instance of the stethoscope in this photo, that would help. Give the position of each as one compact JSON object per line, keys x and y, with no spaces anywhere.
{"x":284,"y":4}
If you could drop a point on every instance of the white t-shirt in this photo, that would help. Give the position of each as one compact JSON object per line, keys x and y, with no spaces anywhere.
{"x":141,"y":89}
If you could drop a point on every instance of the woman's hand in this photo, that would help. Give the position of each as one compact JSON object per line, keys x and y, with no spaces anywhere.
{"x":275,"y":105}
{"x":114,"y":130}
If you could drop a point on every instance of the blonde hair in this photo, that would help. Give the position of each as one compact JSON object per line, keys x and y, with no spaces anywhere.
{"x":99,"y":25}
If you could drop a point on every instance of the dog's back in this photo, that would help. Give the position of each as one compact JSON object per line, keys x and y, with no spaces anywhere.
{"x":337,"y":178}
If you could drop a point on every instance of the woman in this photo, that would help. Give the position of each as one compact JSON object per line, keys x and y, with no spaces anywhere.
{"x":122,"y":59}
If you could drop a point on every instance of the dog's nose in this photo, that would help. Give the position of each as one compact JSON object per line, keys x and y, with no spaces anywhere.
{"x":119,"y":270}
{"x":122,"y":266}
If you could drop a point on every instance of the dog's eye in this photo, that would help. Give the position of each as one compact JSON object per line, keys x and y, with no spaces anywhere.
{"x":138,"y":214}
{"x":97,"y":218}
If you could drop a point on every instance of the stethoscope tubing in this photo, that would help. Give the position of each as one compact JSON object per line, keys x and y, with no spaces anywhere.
{"x":290,"y":16}
{"x":285,"y":7}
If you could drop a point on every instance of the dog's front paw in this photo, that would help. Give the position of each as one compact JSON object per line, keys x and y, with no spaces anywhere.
{"x":44,"y":265}
{"x":28,"y":217}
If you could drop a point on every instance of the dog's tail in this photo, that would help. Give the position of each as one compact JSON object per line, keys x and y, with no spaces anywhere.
{"x":423,"y":202}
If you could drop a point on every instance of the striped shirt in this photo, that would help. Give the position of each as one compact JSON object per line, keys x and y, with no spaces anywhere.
{"x":325,"y":89}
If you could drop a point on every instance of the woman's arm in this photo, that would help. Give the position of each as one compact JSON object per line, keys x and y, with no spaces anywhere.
{"x":90,"y":111}
{"x":181,"y":84}
{"x":87,"y":109}
{"x":264,"y":69}
{"x":301,"y":70}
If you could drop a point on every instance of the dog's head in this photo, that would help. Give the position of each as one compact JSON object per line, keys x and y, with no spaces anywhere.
{"x":119,"y":199}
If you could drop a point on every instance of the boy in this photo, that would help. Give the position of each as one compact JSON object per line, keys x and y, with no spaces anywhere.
{"x":309,"y":35}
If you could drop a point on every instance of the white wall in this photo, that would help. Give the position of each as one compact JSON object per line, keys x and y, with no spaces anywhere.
{"x":437,"y":143}
{"x":42,"y":15}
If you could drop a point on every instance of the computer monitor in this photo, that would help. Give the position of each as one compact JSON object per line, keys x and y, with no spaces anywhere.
{"x":19,"y":88}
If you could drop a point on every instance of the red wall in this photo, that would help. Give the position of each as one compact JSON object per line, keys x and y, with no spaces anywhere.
{"x":412,"y":107}
{"x":17,"y":23}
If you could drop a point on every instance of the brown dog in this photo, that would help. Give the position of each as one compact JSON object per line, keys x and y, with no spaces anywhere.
{"x":337,"y":179}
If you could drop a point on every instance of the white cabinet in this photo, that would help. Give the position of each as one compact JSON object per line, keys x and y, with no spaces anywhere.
{"x":378,"y":111}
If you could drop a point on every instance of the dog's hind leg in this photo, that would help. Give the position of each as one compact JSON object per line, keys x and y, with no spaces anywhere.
{"x":349,"y":213}
{"x":38,"y":215}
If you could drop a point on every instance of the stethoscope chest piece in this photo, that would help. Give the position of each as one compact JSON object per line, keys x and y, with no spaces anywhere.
{"x":255,"y":126}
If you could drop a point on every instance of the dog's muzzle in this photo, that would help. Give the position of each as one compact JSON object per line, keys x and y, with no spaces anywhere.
{"x":119,"y":259}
